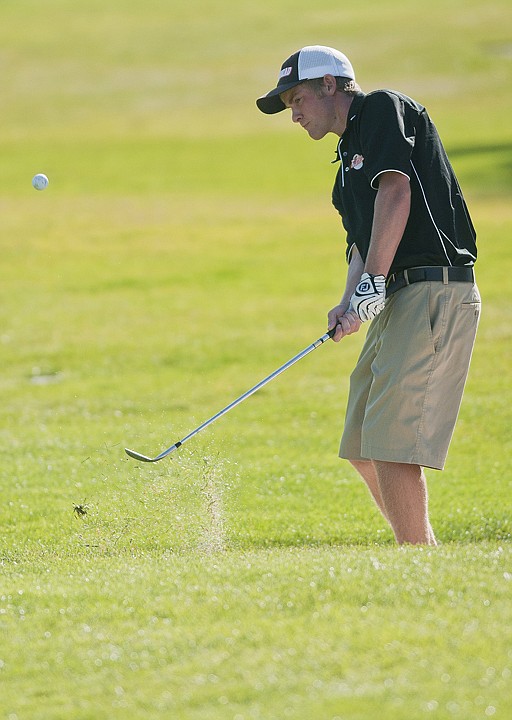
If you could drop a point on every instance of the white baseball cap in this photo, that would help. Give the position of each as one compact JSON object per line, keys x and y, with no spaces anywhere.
{"x":313,"y":61}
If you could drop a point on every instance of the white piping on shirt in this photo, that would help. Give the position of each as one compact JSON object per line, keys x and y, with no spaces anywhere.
{"x":439,"y":232}
{"x":374,"y":187}
{"x":341,"y":163}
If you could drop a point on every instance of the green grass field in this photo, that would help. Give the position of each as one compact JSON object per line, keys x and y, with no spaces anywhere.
{"x":186,"y":248}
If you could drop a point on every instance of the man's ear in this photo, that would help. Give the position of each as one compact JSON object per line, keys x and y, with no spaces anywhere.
{"x":329,"y":84}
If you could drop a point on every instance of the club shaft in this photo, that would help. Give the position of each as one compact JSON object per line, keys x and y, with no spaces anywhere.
{"x":236,"y":402}
{"x":257,"y":387}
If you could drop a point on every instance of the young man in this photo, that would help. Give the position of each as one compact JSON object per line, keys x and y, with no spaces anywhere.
{"x":411,"y":250}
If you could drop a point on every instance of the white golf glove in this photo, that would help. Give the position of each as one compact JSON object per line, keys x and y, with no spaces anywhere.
{"x":369,"y":297}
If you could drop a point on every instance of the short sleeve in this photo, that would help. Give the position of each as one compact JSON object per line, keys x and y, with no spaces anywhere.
{"x":387,"y":135}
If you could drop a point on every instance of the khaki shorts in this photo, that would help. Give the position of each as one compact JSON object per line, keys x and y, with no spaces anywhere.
{"x":406,"y":389}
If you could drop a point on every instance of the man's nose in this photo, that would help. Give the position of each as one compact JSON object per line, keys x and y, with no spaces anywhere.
{"x":296,"y":115}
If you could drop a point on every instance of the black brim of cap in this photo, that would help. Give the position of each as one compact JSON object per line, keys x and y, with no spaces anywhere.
{"x":271,"y":103}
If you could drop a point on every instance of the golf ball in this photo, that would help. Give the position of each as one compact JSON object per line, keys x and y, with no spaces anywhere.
{"x":40,"y":181}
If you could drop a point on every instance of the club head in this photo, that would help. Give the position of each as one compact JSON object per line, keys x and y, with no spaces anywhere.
{"x":145,"y":458}
{"x":138,"y":456}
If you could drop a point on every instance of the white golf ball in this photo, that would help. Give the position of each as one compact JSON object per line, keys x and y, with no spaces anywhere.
{"x":40,"y":181}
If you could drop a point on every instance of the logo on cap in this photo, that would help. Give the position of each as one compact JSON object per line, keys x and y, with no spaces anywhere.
{"x":285,"y":72}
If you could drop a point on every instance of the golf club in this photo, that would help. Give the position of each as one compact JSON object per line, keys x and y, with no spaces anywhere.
{"x":299,"y":356}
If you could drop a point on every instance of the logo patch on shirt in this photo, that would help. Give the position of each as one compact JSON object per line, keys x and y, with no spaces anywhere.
{"x":357,"y":162}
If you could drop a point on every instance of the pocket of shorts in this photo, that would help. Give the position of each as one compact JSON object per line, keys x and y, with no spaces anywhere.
{"x":474,"y":307}
{"x":472,"y":303}
{"x":467,"y":321}
{"x":436,"y":309}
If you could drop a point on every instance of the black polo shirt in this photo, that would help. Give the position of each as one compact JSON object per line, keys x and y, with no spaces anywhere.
{"x":387,"y":131}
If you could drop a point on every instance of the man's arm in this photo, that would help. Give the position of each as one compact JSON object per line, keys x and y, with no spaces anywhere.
{"x":392,"y":207}
{"x":391,"y":212}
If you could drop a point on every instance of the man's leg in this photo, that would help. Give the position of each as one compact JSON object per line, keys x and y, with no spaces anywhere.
{"x":402,"y":486}
{"x":367,"y":470}
{"x":403,"y":489}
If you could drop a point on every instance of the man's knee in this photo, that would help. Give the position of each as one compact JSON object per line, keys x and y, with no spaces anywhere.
{"x":391,"y":471}
{"x":362,"y":466}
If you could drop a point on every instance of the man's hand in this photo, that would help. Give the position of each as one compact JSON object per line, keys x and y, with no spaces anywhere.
{"x":369,"y":297}
{"x":344,"y":320}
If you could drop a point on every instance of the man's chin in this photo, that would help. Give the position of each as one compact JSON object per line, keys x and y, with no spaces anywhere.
{"x":315,"y":135}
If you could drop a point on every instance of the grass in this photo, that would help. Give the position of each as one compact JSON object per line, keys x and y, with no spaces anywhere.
{"x":302,"y":632}
{"x":186,"y":247}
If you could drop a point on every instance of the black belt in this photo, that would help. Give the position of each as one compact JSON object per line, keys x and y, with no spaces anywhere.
{"x":398,"y":280}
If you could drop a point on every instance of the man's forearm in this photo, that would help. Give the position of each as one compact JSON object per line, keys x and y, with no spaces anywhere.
{"x":391,"y":212}
{"x":365,"y":290}
{"x":355,"y":270}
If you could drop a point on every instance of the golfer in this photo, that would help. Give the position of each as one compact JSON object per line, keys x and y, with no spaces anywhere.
{"x":410,"y":252}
